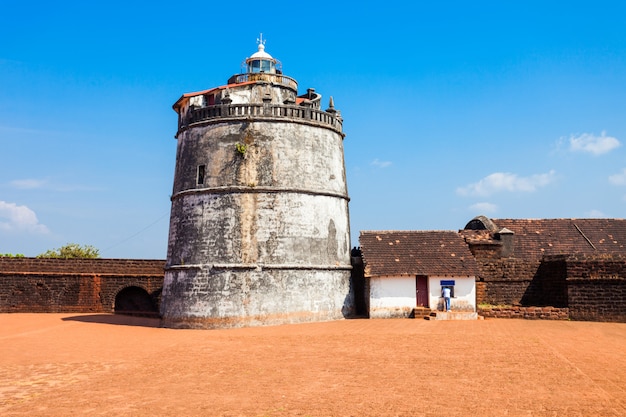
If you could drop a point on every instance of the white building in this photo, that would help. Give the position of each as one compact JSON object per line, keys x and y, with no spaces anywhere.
{"x":405,"y":270}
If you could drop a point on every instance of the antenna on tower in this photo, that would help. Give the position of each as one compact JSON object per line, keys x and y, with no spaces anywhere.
{"x":260,"y":39}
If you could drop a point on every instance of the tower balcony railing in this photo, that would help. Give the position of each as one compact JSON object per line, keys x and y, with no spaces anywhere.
{"x":261,"y":111}
{"x":264,"y":76}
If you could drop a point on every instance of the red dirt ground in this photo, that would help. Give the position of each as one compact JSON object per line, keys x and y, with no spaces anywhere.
{"x":97,"y":365}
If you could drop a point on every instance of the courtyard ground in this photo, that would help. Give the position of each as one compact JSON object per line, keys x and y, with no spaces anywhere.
{"x":97,"y":365}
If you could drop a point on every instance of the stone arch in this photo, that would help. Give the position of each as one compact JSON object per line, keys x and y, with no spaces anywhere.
{"x":134,"y":300}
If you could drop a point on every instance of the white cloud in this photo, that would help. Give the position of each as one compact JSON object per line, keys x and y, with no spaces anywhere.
{"x":14,"y":217}
{"x":28,"y":184}
{"x":484,"y":208}
{"x":34,"y":183}
{"x":597,"y":145}
{"x":618,"y":179}
{"x":380,"y":164}
{"x":595,"y":214}
{"x":505,"y":181}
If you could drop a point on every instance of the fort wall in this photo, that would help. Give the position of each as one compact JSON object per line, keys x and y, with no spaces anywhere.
{"x":577,"y":286}
{"x":519,"y":282}
{"x":528,"y":313}
{"x":34,"y":285}
{"x":596,"y":288}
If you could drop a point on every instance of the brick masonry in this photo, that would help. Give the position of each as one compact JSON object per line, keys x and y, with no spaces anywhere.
{"x":597,"y":288}
{"x":586,"y":287}
{"x":512,"y":281}
{"x":530,"y":313}
{"x":76,"y":285}
{"x":508,"y":281}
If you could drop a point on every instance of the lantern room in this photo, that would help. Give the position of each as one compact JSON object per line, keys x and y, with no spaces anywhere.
{"x":261,"y":61}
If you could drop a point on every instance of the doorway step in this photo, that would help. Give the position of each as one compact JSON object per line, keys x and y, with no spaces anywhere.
{"x":420,"y":312}
{"x":453,"y":315}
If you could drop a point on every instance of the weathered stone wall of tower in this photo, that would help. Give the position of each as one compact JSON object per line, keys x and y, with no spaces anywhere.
{"x":264,"y":238}
{"x":278,"y":201}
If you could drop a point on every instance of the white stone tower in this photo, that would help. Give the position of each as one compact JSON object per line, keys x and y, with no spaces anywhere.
{"x":259,"y":227}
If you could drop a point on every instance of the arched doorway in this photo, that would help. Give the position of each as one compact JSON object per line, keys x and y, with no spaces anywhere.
{"x":135,"y":301}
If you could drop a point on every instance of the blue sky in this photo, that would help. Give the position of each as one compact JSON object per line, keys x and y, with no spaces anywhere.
{"x":451,"y":109}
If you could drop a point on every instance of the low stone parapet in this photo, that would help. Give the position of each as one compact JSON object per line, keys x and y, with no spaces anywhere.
{"x":529,"y":313}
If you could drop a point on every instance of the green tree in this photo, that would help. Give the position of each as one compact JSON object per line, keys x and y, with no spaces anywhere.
{"x":72,"y":250}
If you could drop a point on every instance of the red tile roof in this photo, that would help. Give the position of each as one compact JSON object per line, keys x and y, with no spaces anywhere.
{"x":401,"y":253}
{"x":186,"y":96}
{"x":535,"y":238}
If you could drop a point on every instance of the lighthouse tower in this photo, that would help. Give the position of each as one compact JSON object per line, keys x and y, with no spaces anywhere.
{"x":259,"y":230}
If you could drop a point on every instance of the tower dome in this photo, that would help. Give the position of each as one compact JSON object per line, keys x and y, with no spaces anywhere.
{"x":259,"y":229}
{"x":261,"y":61}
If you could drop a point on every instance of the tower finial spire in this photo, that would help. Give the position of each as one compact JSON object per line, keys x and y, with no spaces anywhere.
{"x":331,"y":106}
{"x":260,"y":39}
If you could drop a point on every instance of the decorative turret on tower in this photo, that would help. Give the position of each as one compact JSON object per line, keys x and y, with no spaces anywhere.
{"x":259,"y":229}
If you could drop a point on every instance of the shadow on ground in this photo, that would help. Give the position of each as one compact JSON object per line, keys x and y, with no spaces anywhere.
{"x":117,"y":319}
